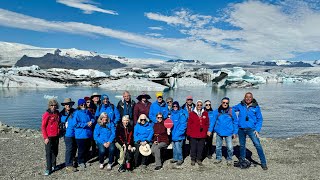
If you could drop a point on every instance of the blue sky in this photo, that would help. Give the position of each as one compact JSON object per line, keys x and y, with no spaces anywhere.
{"x":207,"y":30}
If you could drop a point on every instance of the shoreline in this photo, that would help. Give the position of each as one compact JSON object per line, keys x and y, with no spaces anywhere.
{"x":23,"y":157}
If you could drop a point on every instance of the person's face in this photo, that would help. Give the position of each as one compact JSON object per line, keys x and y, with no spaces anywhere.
{"x":159,"y":118}
{"x":144,"y":100}
{"x":88,"y":103}
{"x":199,"y":106}
{"x":67,"y":107}
{"x":53,"y":107}
{"x":248,"y":98}
{"x":207,"y":105}
{"x":83,"y":106}
{"x":125,"y":122}
{"x":189,"y":101}
{"x":175,"y":107}
{"x":126,"y":97}
{"x":95,"y":99}
{"x":143,"y":119}
{"x":224,"y":103}
{"x":160,"y":99}
{"x":169,"y":102}
{"x":105,"y":101}
{"x":104,"y":120}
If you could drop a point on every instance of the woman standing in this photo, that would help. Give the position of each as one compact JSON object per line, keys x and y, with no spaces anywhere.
{"x":83,"y":120}
{"x":208,"y":147}
{"x":198,"y":125}
{"x":104,"y":135}
{"x":142,"y":107}
{"x":50,"y":133}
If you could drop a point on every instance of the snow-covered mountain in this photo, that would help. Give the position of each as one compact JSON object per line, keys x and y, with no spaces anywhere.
{"x":283,"y":63}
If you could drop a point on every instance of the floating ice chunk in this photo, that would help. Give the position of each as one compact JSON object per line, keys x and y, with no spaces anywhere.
{"x":133,"y":85}
{"x":24,"y":81}
{"x":189,"y":82}
{"x":50,"y":97}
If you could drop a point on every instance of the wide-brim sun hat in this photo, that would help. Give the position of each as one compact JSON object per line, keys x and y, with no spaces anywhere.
{"x":95,"y":94}
{"x":147,"y":96}
{"x":67,"y":101}
{"x":145,"y":150}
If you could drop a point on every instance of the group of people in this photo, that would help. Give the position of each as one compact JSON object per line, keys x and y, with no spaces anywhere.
{"x":95,"y":124}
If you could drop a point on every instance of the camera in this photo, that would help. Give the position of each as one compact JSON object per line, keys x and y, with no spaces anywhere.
{"x":247,"y":118}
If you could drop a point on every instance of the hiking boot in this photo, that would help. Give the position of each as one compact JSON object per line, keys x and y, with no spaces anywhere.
{"x":121,"y":168}
{"x":47,"y":172}
{"x":217,"y":161}
{"x":82,"y":167}
{"x":179,"y":163}
{"x":199,"y":163}
{"x":229,"y":162}
{"x":193,"y":163}
{"x":157,"y":168}
{"x":109,"y":167}
{"x":101,"y":166}
{"x":173,"y":161}
{"x":264,"y":167}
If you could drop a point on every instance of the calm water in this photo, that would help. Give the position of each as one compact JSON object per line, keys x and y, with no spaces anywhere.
{"x":288,"y":110}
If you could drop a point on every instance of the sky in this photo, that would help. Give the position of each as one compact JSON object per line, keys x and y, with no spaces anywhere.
{"x":205,"y":30}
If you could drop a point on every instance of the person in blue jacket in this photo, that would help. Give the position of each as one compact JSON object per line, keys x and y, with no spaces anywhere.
{"x":104,"y":135}
{"x":250,"y":124}
{"x":83,"y":122}
{"x":109,"y":108}
{"x":225,"y":124}
{"x":67,"y":125}
{"x":142,"y":135}
{"x":179,"y":119}
{"x":209,"y":139}
{"x":158,"y":106}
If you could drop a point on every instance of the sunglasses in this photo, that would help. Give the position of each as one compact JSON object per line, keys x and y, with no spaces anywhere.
{"x":174,"y":106}
{"x":225,"y":103}
{"x":160,"y":117}
{"x":143,"y":119}
{"x":169,"y":101}
{"x":88,"y":102}
{"x":208,"y":104}
{"x":199,"y":104}
{"x":53,"y":105}
{"x":82,"y":104}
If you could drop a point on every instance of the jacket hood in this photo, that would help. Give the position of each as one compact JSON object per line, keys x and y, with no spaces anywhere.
{"x":254,"y":102}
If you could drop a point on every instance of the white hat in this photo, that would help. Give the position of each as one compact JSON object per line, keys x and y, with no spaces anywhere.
{"x":145,"y":150}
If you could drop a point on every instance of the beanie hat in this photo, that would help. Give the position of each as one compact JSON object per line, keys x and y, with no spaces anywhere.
{"x":158,"y":94}
{"x":81,"y":101}
{"x":104,"y":96}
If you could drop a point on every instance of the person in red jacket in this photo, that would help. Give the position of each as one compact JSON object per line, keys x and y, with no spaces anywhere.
{"x":50,"y":133}
{"x":160,"y":140}
{"x":198,"y":125}
{"x":142,"y":107}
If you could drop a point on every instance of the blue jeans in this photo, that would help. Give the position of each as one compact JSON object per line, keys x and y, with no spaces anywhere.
{"x":102,"y":152}
{"x":71,"y":150}
{"x":243,"y":132}
{"x":219,"y":142}
{"x":177,"y":150}
{"x":83,"y":150}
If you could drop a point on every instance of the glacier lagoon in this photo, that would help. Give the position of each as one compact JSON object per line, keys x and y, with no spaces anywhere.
{"x":288,"y":109}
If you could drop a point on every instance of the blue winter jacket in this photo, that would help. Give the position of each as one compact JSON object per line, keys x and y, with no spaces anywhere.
{"x":143,"y":132}
{"x":81,"y":119}
{"x":70,"y":128}
{"x":253,"y":113}
{"x":113,"y":113}
{"x":179,"y":118}
{"x":155,"y":108}
{"x":223,"y":124}
{"x":104,"y":134}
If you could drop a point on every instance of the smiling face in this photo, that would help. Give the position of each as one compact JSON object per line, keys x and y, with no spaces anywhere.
{"x":225,"y":103}
{"x":207,"y":105}
{"x":160,"y":98}
{"x":53,"y":107}
{"x":105,"y":101}
{"x":126,"y":96}
{"x":143,"y":119}
{"x":95,"y":99}
{"x":67,"y":107}
{"x":248,"y":98}
{"x":159,"y":117}
{"x":199,"y":106}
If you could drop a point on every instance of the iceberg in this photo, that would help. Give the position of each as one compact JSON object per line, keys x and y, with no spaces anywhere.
{"x":133,"y":84}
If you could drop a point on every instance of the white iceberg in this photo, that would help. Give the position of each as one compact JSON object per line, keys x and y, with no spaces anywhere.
{"x":133,"y":84}
{"x":24,"y":81}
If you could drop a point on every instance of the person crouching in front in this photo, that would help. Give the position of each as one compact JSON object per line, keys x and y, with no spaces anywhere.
{"x":104,"y":135}
{"x":143,"y":132}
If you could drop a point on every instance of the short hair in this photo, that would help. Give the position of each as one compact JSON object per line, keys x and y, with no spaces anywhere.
{"x":126,"y":92}
{"x":147,"y":119}
{"x":169,"y":98}
{"x":125,"y":117}
{"x":248,"y":93}
{"x":102,"y":115}
{"x":53,"y":102}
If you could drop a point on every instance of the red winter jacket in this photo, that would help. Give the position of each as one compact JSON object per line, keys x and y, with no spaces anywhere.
{"x":198,"y":126}
{"x":50,"y":124}
{"x":160,"y":133}
{"x":140,"y":108}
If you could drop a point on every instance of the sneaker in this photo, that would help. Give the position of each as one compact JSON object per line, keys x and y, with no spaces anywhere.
{"x":179,"y":163}
{"x":55,"y":168}
{"x":217,"y":161}
{"x":82,"y":167}
{"x":199,"y":163}
{"x":109,"y":167}
{"x":101,"y":166}
{"x":264,"y":167}
{"x":121,"y":168}
{"x":47,"y":172}
{"x":229,"y":162}
{"x":193,"y":163}
{"x":173,"y":161}
{"x":157,"y":168}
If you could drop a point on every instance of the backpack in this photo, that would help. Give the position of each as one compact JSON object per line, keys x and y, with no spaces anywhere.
{"x":243,"y":164}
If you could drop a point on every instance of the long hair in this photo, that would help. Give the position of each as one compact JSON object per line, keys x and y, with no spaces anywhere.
{"x":102,"y":115}
{"x":147,"y":119}
{"x":53,"y":102}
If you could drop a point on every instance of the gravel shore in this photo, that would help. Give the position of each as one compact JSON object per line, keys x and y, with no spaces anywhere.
{"x":22,"y":156}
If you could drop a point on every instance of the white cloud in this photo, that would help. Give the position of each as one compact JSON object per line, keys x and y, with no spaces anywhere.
{"x":156,"y":28}
{"x":154,"y":34}
{"x":161,"y":55}
{"x":87,"y":6}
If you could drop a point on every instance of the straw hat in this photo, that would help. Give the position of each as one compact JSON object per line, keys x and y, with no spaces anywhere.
{"x":95,"y":94}
{"x":145,"y":150}
{"x":67,"y":101}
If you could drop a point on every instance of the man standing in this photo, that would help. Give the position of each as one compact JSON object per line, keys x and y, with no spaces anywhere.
{"x":189,"y":105}
{"x":159,"y":106}
{"x":126,"y":106}
{"x":250,"y":123}
{"x":108,"y":108}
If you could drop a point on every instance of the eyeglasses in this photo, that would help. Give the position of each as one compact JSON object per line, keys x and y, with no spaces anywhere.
{"x":225,"y":103}
{"x":53,"y":105}
{"x":199,"y":104}
{"x":160,"y":117}
{"x":169,"y":101}
{"x":142,"y":119}
{"x":174,"y":106}
{"x":82,"y":104}
{"x":208,"y":104}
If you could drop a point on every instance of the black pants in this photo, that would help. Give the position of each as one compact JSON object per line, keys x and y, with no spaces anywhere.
{"x":197,"y":147}
{"x":209,"y":146}
{"x":83,"y":150}
{"x":52,"y":152}
{"x":137,"y":156}
{"x":71,"y":150}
